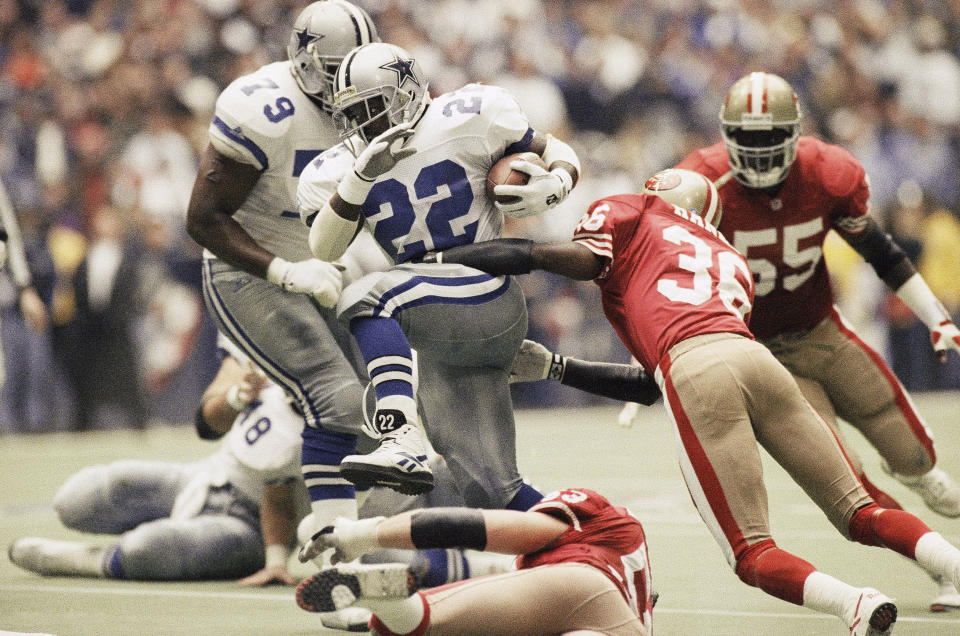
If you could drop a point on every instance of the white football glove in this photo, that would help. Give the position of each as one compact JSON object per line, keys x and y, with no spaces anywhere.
{"x":536,"y":362}
{"x":628,"y":414}
{"x":544,"y":191}
{"x":349,"y":538}
{"x":379,"y":157}
{"x":944,"y":337}
{"x":320,"y":279}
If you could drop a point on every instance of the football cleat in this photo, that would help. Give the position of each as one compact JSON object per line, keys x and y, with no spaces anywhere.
{"x":349,"y":619}
{"x":399,"y":463}
{"x":50,"y":557}
{"x":948,"y":599}
{"x":937,"y":489}
{"x":339,"y":587}
{"x":874,"y":614}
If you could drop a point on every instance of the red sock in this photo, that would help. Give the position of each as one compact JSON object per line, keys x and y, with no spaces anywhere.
{"x":775,"y":571}
{"x":895,"y":529}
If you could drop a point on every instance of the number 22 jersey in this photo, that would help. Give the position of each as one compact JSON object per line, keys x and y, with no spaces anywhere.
{"x":436,"y":198}
{"x":667,"y":275}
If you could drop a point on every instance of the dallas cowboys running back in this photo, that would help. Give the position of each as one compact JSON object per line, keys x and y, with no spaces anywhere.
{"x":412,"y":170}
{"x":260,"y":282}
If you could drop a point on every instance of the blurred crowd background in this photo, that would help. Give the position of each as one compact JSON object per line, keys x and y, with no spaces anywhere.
{"x":104,"y":107}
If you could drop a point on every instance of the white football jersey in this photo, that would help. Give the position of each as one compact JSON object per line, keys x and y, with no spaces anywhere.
{"x":262,"y":447}
{"x":265,"y":120}
{"x":436,"y":198}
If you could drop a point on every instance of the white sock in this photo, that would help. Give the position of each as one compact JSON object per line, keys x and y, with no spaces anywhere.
{"x":481,"y":563}
{"x":401,"y":616}
{"x":823,"y":593}
{"x":936,"y":554}
{"x":402,"y":403}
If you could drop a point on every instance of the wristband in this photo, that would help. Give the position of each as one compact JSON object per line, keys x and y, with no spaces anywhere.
{"x":565,"y":178}
{"x":916,"y":294}
{"x":277,"y":270}
{"x":558,"y":365}
{"x":354,"y":189}
{"x":277,"y":555}
{"x":235,"y":400}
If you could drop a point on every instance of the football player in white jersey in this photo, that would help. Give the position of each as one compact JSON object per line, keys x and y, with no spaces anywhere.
{"x":412,"y":170}
{"x":262,"y":285}
{"x":196,"y":520}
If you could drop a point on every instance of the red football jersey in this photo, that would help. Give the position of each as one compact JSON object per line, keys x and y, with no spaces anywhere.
{"x":782,"y":234}
{"x":605,"y":536}
{"x":667,"y":275}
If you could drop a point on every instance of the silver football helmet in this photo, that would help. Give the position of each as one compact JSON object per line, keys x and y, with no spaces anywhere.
{"x":760,"y":125}
{"x":688,"y":190}
{"x":323,"y":34}
{"x":377,"y":87}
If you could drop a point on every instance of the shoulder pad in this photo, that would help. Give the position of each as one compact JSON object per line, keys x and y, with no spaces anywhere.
{"x":839,"y":172}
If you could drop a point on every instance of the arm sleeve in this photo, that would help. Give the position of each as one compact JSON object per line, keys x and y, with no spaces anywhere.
{"x":884,"y":255}
{"x":624,"y":382}
{"x":498,"y":257}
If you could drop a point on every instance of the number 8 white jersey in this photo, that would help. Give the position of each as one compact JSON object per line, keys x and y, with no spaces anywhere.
{"x":434,"y":199}
{"x":265,"y":120}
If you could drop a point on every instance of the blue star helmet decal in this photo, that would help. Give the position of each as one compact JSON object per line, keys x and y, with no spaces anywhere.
{"x":403,"y":69}
{"x":304,"y":38}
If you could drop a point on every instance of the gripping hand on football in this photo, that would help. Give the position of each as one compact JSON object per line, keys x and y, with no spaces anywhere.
{"x":349,"y":538}
{"x":945,"y":337}
{"x":319,"y":279}
{"x":543,"y":191}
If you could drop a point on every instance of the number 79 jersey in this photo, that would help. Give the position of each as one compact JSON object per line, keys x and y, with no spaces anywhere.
{"x":434,"y":199}
{"x":667,"y":275}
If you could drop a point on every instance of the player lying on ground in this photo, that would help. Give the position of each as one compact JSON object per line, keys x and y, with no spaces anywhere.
{"x":679,"y":296}
{"x":583,"y":566}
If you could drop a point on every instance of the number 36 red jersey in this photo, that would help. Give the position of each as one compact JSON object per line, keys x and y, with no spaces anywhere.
{"x":667,"y":275}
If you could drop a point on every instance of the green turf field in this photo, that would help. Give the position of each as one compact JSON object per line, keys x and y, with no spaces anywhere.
{"x":699,"y":594}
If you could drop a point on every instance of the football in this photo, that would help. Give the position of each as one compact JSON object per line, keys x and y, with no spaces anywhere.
{"x":502,"y":174}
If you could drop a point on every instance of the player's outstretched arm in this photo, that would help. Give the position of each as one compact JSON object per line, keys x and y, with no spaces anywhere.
{"x":895,"y":269}
{"x":504,"y":531}
{"x":521,"y":256}
{"x":624,"y":382}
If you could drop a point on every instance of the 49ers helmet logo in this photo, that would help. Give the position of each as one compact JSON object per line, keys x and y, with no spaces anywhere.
{"x":664,"y":180}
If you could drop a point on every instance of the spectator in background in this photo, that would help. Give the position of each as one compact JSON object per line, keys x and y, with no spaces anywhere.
{"x":97,"y":343}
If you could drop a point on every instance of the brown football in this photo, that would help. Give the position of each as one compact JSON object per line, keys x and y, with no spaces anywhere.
{"x":502,"y":174}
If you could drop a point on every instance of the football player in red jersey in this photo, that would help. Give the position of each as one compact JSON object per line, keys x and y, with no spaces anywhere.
{"x":782,"y":193}
{"x":583,"y":567}
{"x":679,"y":296}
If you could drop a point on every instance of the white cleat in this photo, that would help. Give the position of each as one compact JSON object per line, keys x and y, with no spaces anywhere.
{"x":874,"y":614}
{"x":339,"y":587}
{"x":938,"y":490}
{"x":948,"y":599}
{"x":349,"y":619}
{"x":51,"y":557}
{"x":399,"y":463}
